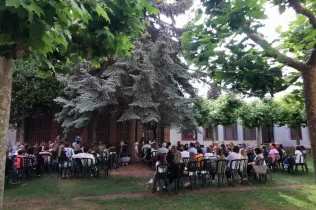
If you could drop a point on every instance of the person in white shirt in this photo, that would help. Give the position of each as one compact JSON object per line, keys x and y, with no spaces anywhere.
{"x":192,"y":148}
{"x":163,"y":149}
{"x":209,"y":153}
{"x":22,"y":147}
{"x":234,"y":155}
{"x":146,"y":145}
{"x":298,"y":155}
{"x":85,"y":154}
{"x":185,"y":153}
{"x":69,"y":151}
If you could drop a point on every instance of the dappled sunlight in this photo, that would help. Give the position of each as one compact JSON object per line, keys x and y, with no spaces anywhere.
{"x":300,"y":198}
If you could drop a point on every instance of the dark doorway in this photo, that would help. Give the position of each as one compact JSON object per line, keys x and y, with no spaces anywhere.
{"x":267,"y":135}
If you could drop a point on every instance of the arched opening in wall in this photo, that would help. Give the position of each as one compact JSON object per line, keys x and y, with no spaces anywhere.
{"x":38,"y":129}
{"x":102,"y":130}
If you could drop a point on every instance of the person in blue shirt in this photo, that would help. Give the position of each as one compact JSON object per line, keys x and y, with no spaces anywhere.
{"x":265,"y":152}
{"x":225,"y":151}
{"x":78,"y":139}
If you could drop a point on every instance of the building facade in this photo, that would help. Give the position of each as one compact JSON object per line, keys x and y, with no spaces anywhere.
{"x":237,"y":134}
{"x":44,"y":128}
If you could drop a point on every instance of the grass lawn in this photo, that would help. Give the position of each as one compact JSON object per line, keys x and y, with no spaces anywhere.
{"x":94,"y":194}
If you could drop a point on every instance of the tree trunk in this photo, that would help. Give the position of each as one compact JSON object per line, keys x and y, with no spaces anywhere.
{"x":6,"y":68}
{"x":213,"y":127}
{"x":259,"y":136}
{"x":309,"y":77}
{"x":131,"y":140}
{"x":94,"y":130}
{"x":297,"y":135}
{"x":22,"y":131}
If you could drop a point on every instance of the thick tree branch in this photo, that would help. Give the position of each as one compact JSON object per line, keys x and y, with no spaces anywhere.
{"x":295,"y":4}
{"x":274,"y":53}
{"x":284,"y":87}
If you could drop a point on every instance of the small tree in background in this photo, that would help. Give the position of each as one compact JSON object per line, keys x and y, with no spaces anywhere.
{"x":222,"y":111}
{"x":258,"y":113}
{"x":293,"y":113}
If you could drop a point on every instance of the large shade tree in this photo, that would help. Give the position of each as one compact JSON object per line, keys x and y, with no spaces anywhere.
{"x":225,"y":40}
{"x":60,"y":31}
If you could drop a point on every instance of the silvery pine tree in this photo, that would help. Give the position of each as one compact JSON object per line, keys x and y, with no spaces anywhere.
{"x":60,"y":31}
{"x":252,"y":64}
{"x":150,"y":86}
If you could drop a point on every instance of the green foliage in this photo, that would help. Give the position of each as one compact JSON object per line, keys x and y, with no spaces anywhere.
{"x":293,"y":111}
{"x":149,"y":86}
{"x":202,"y":112}
{"x":219,"y":42}
{"x":259,"y":113}
{"x":31,"y":93}
{"x":70,"y":28}
{"x":223,"y":111}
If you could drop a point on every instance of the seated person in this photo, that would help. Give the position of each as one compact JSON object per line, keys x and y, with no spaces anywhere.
{"x":85,"y":154}
{"x":63,"y":161}
{"x":124,"y":156}
{"x":174,"y":166}
{"x":185,"y":153}
{"x":170,"y":154}
{"x":274,"y":154}
{"x":199,"y":156}
{"x":265,"y":152}
{"x":11,"y":169}
{"x":298,"y":155}
{"x":163,"y":149}
{"x":161,"y":160}
{"x":209,"y":153}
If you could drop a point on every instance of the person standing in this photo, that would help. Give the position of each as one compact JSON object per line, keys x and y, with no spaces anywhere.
{"x":78,"y":139}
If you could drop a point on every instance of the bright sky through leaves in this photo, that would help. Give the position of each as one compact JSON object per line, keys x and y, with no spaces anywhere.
{"x":274,"y":20}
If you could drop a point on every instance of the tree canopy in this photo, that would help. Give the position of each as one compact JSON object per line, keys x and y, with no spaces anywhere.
{"x":61,"y":31}
{"x":90,"y":29}
{"x":222,"y":111}
{"x":224,"y":39}
{"x":152,"y":85}
{"x":31,"y":92}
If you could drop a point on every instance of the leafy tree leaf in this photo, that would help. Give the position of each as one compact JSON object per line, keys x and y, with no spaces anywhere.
{"x":102,"y":13}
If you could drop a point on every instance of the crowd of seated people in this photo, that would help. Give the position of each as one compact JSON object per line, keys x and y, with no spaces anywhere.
{"x":196,"y":152}
{"x":58,"y":153}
